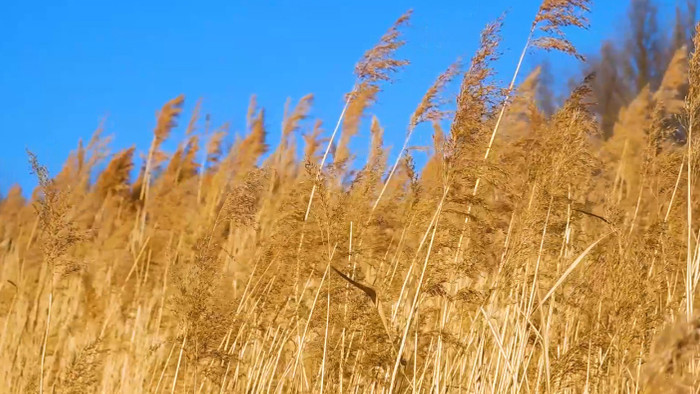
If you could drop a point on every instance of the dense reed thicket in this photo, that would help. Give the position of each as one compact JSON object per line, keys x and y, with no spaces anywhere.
{"x":529,"y":254}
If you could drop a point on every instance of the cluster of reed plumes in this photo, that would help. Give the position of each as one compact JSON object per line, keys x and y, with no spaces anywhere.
{"x":528,"y":255}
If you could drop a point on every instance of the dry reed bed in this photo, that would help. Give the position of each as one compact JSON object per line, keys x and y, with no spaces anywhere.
{"x":528,"y":255}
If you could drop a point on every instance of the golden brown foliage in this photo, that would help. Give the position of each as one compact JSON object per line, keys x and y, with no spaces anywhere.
{"x":574,"y":269}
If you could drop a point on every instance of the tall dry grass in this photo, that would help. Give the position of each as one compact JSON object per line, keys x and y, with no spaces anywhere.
{"x":528,"y":255}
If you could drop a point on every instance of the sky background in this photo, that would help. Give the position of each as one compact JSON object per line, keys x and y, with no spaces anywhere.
{"x":66,"y":65}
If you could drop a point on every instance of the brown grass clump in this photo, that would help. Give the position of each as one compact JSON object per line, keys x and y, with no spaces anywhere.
{"x":529,"y":254}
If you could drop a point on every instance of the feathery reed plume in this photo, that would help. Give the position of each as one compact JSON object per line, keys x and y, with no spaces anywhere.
{"x":182,"y":165}
{"x":10,"y":208}
{"x":194,"y":118}
{"x":253,"y":145}
{"x":375,"y":66}
{"x":475,"y":93}
{"x":311,"y":142}
{"x":290,"y":123}
{"x":628,"y":141}
{"x":60,"y":235}
{"x":83,"y":375}
{"x":376,"y":150}
{"x":283,"y":158}
{"x":674,"y":83}
{"x":554,"y":15}
{"x":211,"y":157}
{"x":475,"y":97}
{"x":114,"y":179}
{"x":428,"y":110}
{"x":252,"y":109}
{"x":523,"y":108}
{"x":54,"y":214}
{"x":213,"y":148}
{"x":551,"y":17}
{"x":671,"y":352}
{"x":694,"y":69}
{"x":362,"y":98}
{"x":73,"y":166}
{"x":377,"y":63}
{"x":433,"y":171}
{"x":75,"y":173}
{"x":166,"y":121}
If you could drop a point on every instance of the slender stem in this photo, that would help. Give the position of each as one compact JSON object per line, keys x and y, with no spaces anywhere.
{"x":689,"y":261}
{"x":308,"y":321}
{"x":43,"y":345}
{"x":391,"y":173}
{"x":325,"y":338}
{"x":165,"y":366}
{"x":325,"y":154}
{"x":416,"y":296}
{"x":510,"y":92}
{"x":179,"y":360}
{"x":144,"y":187}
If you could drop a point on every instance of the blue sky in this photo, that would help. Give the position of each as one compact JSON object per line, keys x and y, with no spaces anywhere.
{"x":65,"y":65}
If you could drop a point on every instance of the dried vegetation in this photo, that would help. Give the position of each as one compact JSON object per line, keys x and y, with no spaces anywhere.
{"x":530,"y":254}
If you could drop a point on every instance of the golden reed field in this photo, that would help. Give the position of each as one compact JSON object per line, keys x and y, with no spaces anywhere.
{"x":539,"y":250}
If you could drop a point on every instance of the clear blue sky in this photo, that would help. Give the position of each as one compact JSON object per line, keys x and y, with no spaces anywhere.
{"x":64,"y":65}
